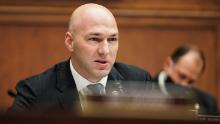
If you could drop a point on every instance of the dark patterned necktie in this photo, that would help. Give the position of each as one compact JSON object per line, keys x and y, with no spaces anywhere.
{"x":96,"y":89}
{"x":90,"y":90}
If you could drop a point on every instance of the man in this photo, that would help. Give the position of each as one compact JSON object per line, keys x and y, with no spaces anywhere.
{"x":92,"y":40}
{"x":183,"y":68}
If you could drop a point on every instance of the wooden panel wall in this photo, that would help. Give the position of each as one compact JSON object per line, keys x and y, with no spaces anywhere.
{"x":32,"y":36}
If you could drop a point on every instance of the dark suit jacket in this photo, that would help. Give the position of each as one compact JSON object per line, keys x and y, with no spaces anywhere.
{"x":55,"y":90}
{"x":207,"y":103}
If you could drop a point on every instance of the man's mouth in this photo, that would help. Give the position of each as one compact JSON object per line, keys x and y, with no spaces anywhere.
{"x":102,"y":64}
{"x":101,"y":61}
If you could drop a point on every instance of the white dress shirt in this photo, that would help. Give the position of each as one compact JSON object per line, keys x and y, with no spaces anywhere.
{"x":82,"y":82}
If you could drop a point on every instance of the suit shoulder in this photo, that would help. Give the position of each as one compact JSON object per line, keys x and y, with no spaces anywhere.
{"x":40,"y":82}
{"x":131,"y":71}
{"x":127,"y":67}
{"x":203,"y":95}
{"x":207,"y":102}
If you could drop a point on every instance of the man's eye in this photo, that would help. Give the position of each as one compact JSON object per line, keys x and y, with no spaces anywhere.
{"x":93,"y":39}
{"x":191,"y":82}
{"x":112,"y":39}
{"x":182,"y":76}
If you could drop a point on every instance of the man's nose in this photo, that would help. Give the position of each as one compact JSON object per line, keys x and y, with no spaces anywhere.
{"x":103,"y":48}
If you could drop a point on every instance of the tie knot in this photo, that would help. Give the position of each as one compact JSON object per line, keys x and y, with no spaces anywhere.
{"x":96,"y":89}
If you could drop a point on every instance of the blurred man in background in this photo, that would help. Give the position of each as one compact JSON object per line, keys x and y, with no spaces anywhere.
{"x":183,"y":68}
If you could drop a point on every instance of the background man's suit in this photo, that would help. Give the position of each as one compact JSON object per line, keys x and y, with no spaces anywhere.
{"x":207,"y":103}
{"x":55,"y":90}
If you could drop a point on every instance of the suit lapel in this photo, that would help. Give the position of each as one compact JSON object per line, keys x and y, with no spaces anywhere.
{"x":114,"y":84}
{"x":69,"y":97}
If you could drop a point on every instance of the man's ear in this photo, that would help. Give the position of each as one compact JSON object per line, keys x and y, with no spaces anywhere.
{"x":69,"y":41}
{"x":167,"y":63}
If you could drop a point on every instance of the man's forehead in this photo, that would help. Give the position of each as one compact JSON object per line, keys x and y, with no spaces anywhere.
{"x":99,"y":29}
{"x":192,"y":69}
{"x":97,"y":22}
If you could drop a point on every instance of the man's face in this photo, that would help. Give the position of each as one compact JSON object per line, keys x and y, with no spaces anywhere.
{"x":95,"y":47}
{"x":187,"y":70}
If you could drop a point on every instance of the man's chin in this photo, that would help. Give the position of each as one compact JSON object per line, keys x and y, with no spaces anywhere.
{"x":102,"y":73}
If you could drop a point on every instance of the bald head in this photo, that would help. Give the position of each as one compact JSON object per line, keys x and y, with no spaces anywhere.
{"x":185,"y":49}
{"x":92,"y":40}
{"x":185,"y":65}
{"x":89,"y":14}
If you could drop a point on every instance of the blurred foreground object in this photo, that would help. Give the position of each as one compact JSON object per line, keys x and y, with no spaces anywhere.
{"x":140,"y":107}
{"x":66,"y":118}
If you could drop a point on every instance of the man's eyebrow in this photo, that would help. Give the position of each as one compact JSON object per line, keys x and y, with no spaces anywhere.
{"x":93,"y":33}
{"x":98,"y":34}
{"x":114,"y":35}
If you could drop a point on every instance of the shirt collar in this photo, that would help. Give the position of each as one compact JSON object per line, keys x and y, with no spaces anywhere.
{"x":81,"y":82}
